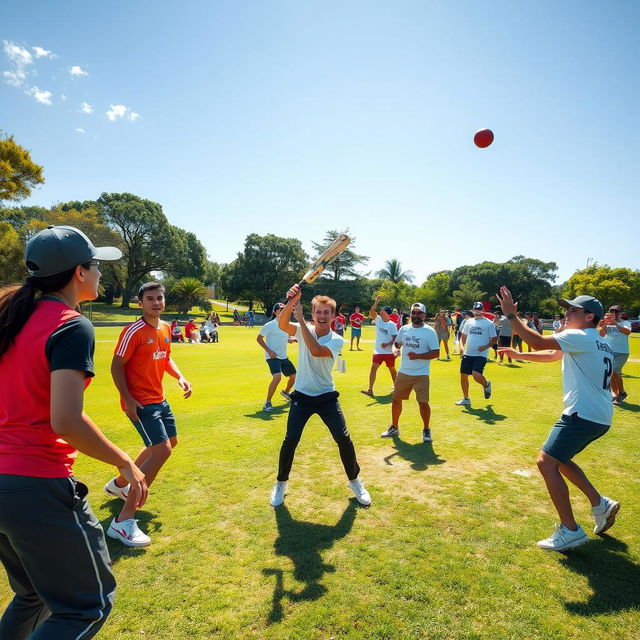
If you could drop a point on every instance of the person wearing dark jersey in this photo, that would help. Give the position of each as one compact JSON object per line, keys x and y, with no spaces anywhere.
{"x":141,"y":358}
{"x":587,"y":365}
{"x":51,"y":543}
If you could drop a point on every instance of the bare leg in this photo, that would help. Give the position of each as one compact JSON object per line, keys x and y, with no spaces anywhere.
{"x":446,"y":347}
{"x":393,"y":372}
{"x":425,"y":413}
{"x":572,"y":472}
{"x":291,"y":380}
{"x":480,"y":379}
{"x":557,"y":488}
{"x":273,"y":385}
{"x":464,"y":383}
{"x":372,"y":378}
{"x":396,"y":410}
{"x":617,"y":386}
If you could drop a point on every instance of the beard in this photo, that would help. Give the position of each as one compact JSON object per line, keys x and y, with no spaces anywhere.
{"x":416,"y":319}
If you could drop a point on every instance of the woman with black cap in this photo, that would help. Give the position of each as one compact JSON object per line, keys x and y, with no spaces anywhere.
{"x":64,"y":588}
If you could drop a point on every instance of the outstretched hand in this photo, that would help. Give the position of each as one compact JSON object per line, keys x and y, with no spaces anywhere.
{"x":506,"y":301}
{"x":297,"y":312}
{"x":295,"y":293}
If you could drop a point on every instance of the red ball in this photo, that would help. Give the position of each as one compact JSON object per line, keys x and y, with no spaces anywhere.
{"x":483,"y":138}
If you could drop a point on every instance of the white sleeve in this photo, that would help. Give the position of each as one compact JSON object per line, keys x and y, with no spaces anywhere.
{"x":400,"y":335}
{"x":465,"y":328}
{"x":432,"y":342}
{"x":265,"y":330}
{"x":492,"y":331}
{"x":572,"y":341}
{"x":335,"y":345}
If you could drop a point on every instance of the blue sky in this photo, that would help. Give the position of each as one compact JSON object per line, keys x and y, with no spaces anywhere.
{"x":297,"y":117}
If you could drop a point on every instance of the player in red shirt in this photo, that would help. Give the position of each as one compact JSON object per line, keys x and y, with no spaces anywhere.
{"x":141,"y":357}
{"x":356,"y":319}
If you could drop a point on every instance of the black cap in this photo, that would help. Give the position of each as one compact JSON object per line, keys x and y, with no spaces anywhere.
{"x":387,"y":309}
{"x":276,"y":306}
{"x":588,"y":303}
{"x":57,"y":249}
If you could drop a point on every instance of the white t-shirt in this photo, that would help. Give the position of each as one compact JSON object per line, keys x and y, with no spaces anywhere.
{"x":419,"y":340}
{"x":314,"y":374}
{"x":587,"y":364}
{"x":276,"y":339}
{"x":618,"y":342}
{"x":557,"y":324}
{"x":478,"y":331}
{"x":384,"y":333}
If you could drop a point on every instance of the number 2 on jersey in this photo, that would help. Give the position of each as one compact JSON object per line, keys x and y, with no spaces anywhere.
{"x":608,"y":370}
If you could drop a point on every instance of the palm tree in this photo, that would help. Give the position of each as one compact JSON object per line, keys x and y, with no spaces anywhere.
{"x":186,"y":293}
{"x":393,"y":271}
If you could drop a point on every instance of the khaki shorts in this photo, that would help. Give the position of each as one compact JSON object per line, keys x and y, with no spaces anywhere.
{"x":404,"y":383}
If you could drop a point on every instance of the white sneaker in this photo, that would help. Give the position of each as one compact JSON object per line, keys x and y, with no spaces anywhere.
{"x":390,"y":432}
{"x":114,"y":491}
{"x":267,"y":406}
{"x":487,"y":391}
{"x":465,"y":402}
{"x":605,"y":514}
{"x":128,"y":533}
{"x":426,"y":435}
{"x":563,"y":539}
{"x":362,"y":495}
{"x":277,"y":495}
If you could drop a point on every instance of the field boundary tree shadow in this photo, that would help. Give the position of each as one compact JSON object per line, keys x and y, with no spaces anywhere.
{"x":420,"y":454}
{"x":488,"y":415}
{"x":614,"y":579}
{"x":303,"y":542}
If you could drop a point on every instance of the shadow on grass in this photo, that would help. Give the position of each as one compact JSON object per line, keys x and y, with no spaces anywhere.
{"x":627,"y":406}
{"x":303,"y":542}
{"x":268,"y":415}
{"x":614,"y":579}
{"x":146,"y":521}
{"x":420,"y":455}
{"x":386,"y":399}
{"x":488,"y":415}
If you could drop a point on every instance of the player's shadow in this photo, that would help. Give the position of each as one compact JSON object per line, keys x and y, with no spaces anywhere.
{"x":488,"y":415}
{"x":421,"y":455}
{"x":627,"y":406}
{"x":146,"y":521}
{"x":303,"y":542}
{"x":385,"y":399}
{"x":268,"y":415}
{"x":613,"y":578}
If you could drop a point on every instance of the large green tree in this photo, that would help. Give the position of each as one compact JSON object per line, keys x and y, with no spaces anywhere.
{"x":148,"y":240}
{"x":19,"y":174}
{"x":12,"y":267}
{"x":345,"y":265}
{"x":399,"y":295}
{"x":611,"y":286}
{"x":435,"y":291}
{"x":190,"y":259}
{"x":265,"y":269}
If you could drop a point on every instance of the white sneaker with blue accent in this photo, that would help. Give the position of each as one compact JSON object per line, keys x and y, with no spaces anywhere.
{"x":564,"y":539}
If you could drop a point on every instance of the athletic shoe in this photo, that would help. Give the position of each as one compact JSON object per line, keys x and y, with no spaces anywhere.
{"x":564,"y":539}
{"x":605,"y":514}
{"x":362,"y":495}
{"x":622,"y":397}
{"x":465,"y":402}
{"x":487,"y":391}
{"x":114,"y":491}
{"x":277,"y":495}
{"x":286,"y":395}
{"x":448,"y":357}
{"x":615,"y":400}
{"x":426,"y":435}
{"x":390,"y":432}
{"x":267,"y":406}
{"x":128,"y":533}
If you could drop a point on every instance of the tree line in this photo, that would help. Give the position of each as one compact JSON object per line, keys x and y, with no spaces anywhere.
{"x":267,"y":265}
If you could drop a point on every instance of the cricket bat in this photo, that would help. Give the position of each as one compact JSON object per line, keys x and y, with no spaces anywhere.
{"x":327,"y":257}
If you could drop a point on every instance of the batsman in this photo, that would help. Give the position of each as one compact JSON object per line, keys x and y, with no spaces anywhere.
{"x":315,"y":392}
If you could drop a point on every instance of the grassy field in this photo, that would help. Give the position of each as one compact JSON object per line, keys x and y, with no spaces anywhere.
{"x":102,"y":312}
{"x":446,"y":551}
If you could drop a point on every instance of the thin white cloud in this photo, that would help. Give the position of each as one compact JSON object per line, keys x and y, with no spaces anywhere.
{"x":15,"y":78}
{"x":78,"y":71}
{"x":20,"y":58}
{"x":80,"y":130}
{"x":42,"y":53}
{"x":120,"y":111}
{"x":85,"y":107}
{"x":43,"y":97}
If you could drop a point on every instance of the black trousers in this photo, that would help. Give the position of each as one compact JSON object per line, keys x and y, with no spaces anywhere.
{"x":328,"y":408}
{"x":54,"y":552}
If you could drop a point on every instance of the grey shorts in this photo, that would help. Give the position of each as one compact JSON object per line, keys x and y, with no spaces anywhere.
{"x":619,"y":360}
{"x":156,"y":423}
{"x":570,"y":435}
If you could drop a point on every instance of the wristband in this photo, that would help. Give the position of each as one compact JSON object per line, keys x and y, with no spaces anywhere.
{"x":511,"y":316}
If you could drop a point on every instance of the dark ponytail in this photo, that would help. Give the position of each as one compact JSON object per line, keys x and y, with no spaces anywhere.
{"x":17,"y":303}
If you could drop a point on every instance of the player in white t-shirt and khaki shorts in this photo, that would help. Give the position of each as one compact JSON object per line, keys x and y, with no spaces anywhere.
{"x":383,"y":353}
{"x":587,"y":365}
{"x":419,"y":344}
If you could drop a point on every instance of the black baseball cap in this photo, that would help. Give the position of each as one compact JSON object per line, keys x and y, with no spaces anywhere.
{"x":387,"y":309}
{"x":277,"y":305}
{"x":57,"y":249}
{"x":588,"y":303}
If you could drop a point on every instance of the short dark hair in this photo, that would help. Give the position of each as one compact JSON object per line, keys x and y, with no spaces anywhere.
{"x":149,"y":286}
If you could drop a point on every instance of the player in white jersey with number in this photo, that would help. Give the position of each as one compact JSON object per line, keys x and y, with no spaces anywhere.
{"x":386,"y":332}
{"x":587,"y":365}
{"x":419,"y":344}
{"x":318,"y":348}
{"x":616,"y":334}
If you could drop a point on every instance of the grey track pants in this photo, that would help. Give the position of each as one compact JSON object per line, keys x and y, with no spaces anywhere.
{"x":53,"y":549}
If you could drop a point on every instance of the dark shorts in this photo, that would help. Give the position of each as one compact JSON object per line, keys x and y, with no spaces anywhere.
{"x":356,"y":332}
{"x":156,"y":423}
{"x":619,"y":360}
{"x":469,"y":364}
{"x":504,"y":341}
{"x":570,"y":435}
{"x":277,"y":365}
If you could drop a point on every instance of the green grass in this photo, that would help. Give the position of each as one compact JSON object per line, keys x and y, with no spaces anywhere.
{"x":103,"y":312}
{"x":446,"y":551}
